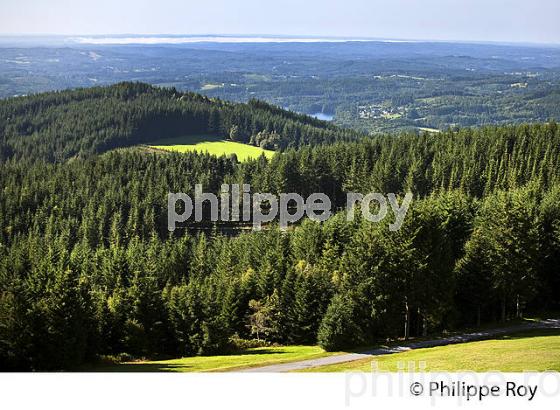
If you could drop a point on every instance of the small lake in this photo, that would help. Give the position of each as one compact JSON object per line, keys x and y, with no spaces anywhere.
{"x":322,"y":116}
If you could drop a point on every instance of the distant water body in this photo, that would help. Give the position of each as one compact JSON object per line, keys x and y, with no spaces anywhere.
{"x":323,"y":116}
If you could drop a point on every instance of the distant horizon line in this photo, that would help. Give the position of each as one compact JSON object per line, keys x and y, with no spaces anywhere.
{"x":152,"y":39}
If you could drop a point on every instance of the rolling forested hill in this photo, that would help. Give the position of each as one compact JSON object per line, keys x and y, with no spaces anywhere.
{"x":57,"y":126}
{"x":88,"y":267}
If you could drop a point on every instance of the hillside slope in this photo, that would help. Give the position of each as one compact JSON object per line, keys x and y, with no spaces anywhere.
{"x":57,"y":126}
{"x":88,"y":266}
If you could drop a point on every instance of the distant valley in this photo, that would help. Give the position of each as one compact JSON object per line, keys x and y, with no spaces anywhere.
{"x":373,"y":86}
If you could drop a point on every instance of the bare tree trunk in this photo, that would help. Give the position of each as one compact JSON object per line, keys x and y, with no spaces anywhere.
{"x":517,"y":308}
{"x":503,"y":316}
{"x":406,"y":320}
{"x":424,"y":326}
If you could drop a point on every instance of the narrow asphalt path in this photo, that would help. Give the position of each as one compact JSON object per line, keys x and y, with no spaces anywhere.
{"x":350,"y":357}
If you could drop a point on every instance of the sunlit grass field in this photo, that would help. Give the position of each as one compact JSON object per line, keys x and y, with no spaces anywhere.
{"x":534,"y":350}
{"x":212,"y":145}
{"x":537,"y":350}
{"x":261,"y":356}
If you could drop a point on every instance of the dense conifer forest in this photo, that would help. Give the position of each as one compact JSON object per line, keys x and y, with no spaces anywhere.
{"x":57,"y":126}
{"x":88,"y":267}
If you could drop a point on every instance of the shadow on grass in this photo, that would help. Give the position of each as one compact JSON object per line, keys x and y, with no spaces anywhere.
{"x":394,"y":347}
{"x":186,"y":140}
{"x":529,"y":334}
{"x":159,"y":366}
{"x":400,"y":346}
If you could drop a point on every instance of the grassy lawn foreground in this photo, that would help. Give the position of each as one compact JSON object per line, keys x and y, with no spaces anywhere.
{"x":534,"y":350}
{"x":211,"y":145}
{"x":250,"y":358}
{"x":537,"y":350}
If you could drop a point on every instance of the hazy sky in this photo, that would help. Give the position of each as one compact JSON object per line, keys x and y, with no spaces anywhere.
{"x":480,"y":20}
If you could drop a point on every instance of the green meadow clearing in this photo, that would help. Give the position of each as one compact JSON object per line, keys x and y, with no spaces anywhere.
{"x":260,"y":356}
{"x":212,"y":145}
{"x":535,"y":350}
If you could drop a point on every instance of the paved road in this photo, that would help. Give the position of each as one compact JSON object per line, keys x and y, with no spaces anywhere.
{"x":350,"y":357}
